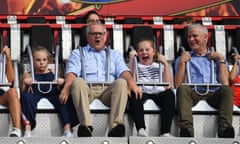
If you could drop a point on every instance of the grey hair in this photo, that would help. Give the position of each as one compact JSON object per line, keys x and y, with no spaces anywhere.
{"x":89,"y":25}
{"x":202,"y":28}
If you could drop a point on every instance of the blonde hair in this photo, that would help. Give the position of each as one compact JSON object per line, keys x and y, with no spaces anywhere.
{"x":42,"y":48}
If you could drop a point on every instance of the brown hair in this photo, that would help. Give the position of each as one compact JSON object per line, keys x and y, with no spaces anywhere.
{"x":155,"y":57}
{"x":85,"y":17}
{"x":188,"y":20}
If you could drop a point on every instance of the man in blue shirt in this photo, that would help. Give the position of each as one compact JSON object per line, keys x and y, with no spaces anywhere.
{"x":221,"y":98}
{"x":96,"y":63}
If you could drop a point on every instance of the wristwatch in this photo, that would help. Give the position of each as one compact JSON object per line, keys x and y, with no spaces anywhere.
{"x":222,"y":62}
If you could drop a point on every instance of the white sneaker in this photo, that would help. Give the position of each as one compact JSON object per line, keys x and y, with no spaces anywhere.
{"x":27,"y":133}
{"x":166,"y":135}
{"x":16,"y":132}
{"x":67,"y":134}
{"x":142,"y":133}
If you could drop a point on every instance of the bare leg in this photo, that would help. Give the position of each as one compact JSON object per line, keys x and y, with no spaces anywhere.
{"x":11,"y":100}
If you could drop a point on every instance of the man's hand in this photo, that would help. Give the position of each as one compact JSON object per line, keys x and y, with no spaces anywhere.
{"x":215,"y":56}
{"x":185,"y":56}
{"x":133,"y":88}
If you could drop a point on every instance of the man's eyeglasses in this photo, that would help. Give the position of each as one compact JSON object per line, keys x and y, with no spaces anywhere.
{"x":96,"y":33}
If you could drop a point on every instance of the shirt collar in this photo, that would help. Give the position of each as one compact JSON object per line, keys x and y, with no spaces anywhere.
{"x":192,"y":53}
{"x":89,"y":48}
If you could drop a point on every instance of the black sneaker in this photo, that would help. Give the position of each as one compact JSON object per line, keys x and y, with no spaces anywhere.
{"x":84,"y":131}
{"x":184,"y":132}
{"x":226,"y":133}
{"x":117,"y":131}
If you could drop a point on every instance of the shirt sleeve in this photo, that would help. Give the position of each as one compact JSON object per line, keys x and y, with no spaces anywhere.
{"x":120,"y":65}
{"x":74,"y":63}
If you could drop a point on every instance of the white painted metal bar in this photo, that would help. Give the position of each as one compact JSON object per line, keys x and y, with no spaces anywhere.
{"x":158,"y":20}
{"x":66,"y":41}
{"x":206,"y":20}
{"x":60,"y":20}
{"x":15,"y":43}
{"x":169,"y":42}
{"x":220,"y":39}
{"x":118,"y":38}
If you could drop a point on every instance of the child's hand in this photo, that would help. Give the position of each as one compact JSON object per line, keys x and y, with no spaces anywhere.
{"x":162,"y":59}
{"x":6,"y":51}
{"x":132,"y":54}
{"x":60,"y":81}
{"x":28,"y":81}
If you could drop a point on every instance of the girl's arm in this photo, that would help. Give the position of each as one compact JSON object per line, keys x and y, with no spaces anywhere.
{"x":167,"y":75}
{"x":25,"y":80}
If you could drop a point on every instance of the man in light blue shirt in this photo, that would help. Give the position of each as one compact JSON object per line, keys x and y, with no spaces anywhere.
{"x":96,"y":63}
{"x":200,"y":64}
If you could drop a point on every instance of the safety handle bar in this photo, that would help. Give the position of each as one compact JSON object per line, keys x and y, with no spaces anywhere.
{"x":160,"y":83}
{"x":38,"y":83}
{"x":212,"y":84}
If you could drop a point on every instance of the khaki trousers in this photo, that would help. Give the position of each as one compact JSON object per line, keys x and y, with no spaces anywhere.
{"x":115,"y":96}
{"x":222,"y":99}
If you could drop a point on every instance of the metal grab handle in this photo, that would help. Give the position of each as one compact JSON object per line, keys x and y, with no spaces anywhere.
{"x":160,"y":65}
{"x":31,"y":62}
{"x":3,"y":81}
{"x":152,"y":84}
{"x":201,"y":93}
{"x":56,"y":61}
{"x":44,"y":92}
{"x":108,"y":63}
{"x":212,"y":68}
{"x":187,"y":68}
{"x":44,"y":82}
{"x":3,"y":68}
{"x":3,"y":75}
{"x":135,"y":65}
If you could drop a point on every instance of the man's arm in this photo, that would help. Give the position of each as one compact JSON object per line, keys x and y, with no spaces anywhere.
{"x":132,"y":86}
{"x":180,"y":74}
{"x":223,"y":73}
{"x":181,"y":68}
{"x":65,"y":92}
